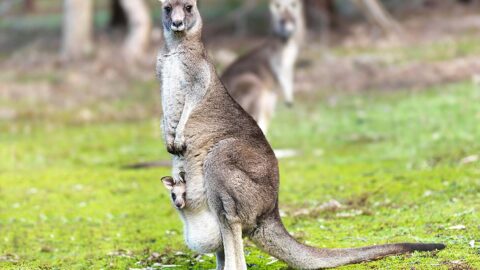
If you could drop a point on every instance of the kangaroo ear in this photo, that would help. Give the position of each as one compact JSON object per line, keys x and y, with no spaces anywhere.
{"x":168,"y":182}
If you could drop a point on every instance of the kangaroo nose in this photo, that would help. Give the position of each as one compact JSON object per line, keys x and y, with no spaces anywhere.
{"x":180,"y":205}
{"x":177,"y":23}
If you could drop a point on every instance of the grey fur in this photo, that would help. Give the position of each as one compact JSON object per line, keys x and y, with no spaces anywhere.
{"x":231,"y":172}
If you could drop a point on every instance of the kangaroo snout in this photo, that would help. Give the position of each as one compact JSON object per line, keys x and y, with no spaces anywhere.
{"x":178,"y":25}
{"x":287,"y":27}
{"x":178,"y":18}
{"x":180,"y":205}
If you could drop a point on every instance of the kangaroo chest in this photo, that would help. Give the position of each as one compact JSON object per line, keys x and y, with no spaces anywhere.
{"x":283,"y":62}
{"x":174,"y":79}
{"x":185,"y":80}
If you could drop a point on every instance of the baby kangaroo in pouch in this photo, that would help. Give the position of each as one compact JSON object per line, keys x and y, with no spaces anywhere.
{"x":177,"y":191}
{"x":201,"y":229}
{"x":230,"y":172}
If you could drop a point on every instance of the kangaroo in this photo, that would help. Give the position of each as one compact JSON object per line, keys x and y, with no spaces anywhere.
{"x":231,"y":172}
{"x":177,"y":190}
{"x":256,"y":79}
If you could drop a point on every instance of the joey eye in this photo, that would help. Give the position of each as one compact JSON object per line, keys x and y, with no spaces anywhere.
{"x":174,"y":197}
{"x":189,"y":8}
{"x":167,"y":9}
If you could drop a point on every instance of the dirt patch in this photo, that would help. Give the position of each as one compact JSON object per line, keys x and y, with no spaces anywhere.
{"x":458,"y":265}
{"x":371,"y":74}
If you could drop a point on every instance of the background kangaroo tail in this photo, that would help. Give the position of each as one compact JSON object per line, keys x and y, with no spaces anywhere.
{"x":273,"y":238}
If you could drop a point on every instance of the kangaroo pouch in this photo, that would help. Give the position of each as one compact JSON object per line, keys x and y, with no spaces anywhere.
{"x":201,"y":231}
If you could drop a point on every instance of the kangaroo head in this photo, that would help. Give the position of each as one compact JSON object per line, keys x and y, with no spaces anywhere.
{"x":181,"y":18}
{"x":177,"y":190}
{"x":287,"y":17}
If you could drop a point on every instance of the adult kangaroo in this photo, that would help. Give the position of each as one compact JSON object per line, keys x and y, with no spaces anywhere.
{"x":256,"y":79}
{"x":230,"y":170}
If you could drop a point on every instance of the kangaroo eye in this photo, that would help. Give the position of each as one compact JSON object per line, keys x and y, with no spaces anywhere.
{"x":167,"y":9}
{"x":174,"y":197}
{"x":189,"y":8}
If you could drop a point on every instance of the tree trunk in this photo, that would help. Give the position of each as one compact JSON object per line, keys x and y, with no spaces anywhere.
{"x":118,"y":18}
{"x":378,"y":15}
{"x":29,"y":6}
{"x":140,"y":28}
{"x":77,"y":29}
{"x":321,"y":14}
{"x":240,"y":16}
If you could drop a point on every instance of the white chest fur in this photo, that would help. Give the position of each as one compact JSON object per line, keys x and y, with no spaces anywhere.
{"x":201,"y":230}
{"x":283,"y":65}
{"x":173,"y":81}
{"x":289,"y":55}
{"x":283,"y":62}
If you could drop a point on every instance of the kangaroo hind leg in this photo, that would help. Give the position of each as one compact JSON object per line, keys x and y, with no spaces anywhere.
{"x":224,"y":205}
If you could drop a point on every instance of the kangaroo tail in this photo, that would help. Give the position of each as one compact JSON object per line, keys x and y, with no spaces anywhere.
{"x":273,"y":238}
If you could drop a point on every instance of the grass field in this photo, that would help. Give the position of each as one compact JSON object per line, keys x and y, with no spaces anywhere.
{"x":404,"y":166}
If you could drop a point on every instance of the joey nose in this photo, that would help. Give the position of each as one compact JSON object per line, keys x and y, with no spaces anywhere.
{"x":179,"y":205}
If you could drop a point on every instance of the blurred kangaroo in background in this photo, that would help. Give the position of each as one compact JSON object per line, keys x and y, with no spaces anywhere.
{"x":256,"y":79}
{"x":230,"y":171}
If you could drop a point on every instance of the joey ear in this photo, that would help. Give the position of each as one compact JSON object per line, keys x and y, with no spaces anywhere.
{"x":168,"y":182}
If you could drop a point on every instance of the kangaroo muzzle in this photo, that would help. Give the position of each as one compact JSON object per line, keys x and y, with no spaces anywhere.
{"x":285,"y":27}
{"x":288,"y":27}
{"x":178,"y":20}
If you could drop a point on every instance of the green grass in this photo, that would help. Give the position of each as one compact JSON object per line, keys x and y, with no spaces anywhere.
{"x":392,"y":159}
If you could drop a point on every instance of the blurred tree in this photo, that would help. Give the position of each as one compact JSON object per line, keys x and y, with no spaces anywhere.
{"x":322,"y":15}
{"x":140,"y":28}
{"x":118,"y":18}
{"x":77,"y":33}
{"x":378,"y":15}
{"x":29,"y":5}
{"x":240,"y":16}
{"x":6,"y":6}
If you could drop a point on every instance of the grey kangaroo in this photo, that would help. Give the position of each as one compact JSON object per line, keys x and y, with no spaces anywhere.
{"x":230,"y":170}
{"x":256,"y":79}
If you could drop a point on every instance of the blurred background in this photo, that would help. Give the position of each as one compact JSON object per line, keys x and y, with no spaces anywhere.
{"x":385,"y":133}
{"x":104,"y":51}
